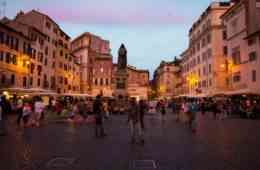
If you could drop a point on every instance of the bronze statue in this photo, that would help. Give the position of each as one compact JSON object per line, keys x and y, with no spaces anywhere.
{"x":122,"y":57}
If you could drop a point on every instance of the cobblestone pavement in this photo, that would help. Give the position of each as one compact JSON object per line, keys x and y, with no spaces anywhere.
{"x":230,"y":144}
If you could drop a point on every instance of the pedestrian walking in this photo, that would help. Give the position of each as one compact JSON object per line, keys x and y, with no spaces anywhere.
{"x":97,"y":109}
{"x":38,"y":111}
{"x":192,"y":110}
{"x":105,"y":109}
{"x":82,"y":109}
{"x":5,"y":110}
{"x":2,"y":117}
{"x":19,"y":111}
{"x":27,"y":114}
{"x":162,"y":109}
{"x":134,"y":122}
{"x":142,"y":110}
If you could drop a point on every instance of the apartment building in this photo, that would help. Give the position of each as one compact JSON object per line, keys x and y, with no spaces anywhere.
{"x":202,"y":61}
{"x":52,"y":67}
{"x":15,"y":53}
{"x":167,"y":79}
{"x":93,"y":52}
{"x":242,"y":46}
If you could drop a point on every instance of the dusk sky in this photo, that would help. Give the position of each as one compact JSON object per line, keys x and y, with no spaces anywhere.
{"x":151,"y":30}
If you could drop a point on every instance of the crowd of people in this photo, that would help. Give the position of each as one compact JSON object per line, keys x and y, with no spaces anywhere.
{"x":31,"y":113}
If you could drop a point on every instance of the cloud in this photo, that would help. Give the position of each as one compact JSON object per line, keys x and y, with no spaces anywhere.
{"x":116,"y":16}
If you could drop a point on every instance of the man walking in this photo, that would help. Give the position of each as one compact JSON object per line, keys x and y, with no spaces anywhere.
{"x":97,"y":109}
{"x":5,"y":108}
{"x":134,"y":121}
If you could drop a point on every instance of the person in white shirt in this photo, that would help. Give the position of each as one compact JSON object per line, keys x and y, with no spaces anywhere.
{"x":38,"y":111}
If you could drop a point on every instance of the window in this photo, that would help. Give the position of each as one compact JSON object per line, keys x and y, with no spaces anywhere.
{"x":251,"y":41}
{"x":209,"y":68}
{"x":46,"y":50}
{"x":2,"y":35}
{"x":53,"y":54}
{"x":61,"y":80}
{"x":224,"y":34}
{"x":65,"y":81}
{"x":203,"y":42}
{"x":107,"y":81}
{"x":65,"y":67}
{"x":236,"y":77}
{"x":208,"y":38}
{"x":17,"y":45}
{"x":61,"y":53}
{"x":61,"y":65}
{"x":46,"y":62}
{"x":252,"y":56}
{"x":1,"y":56}
{"x":48,"y":25}
{"x":209,"y":53}
{"x":96,"y":82}
{"x":32,"y":67}
{"x":24,"y":81}
{"x":12,"y":42}
{"x":31,"y":81}
{"x":204,"y":70}
{"x":236,"y":55}
{"x":253,"y":75}
{"x":53,"y":64}
{"x":210,"y":82}
{"x":234,"y":26}
{"x":198,"y":59}
{"x":8,"y":58}
{"x":101,"y":82}
{"x":225,"y":50}
{"x":39,"y":82}
{"x":7,"y":40}
{"x":12,"y":79}
{"x":14,"y":59}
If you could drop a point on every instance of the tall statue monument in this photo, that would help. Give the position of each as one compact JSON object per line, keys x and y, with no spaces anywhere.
{"x":122,"y":57}
{"x":121,"y":73}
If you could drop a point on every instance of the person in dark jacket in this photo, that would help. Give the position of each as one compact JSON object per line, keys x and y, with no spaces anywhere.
{"x":142,"y":110}
{"x":5,"y":109}
{"x":97,"y":110}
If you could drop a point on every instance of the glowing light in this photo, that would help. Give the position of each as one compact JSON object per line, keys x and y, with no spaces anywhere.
{"x":5,"y":93}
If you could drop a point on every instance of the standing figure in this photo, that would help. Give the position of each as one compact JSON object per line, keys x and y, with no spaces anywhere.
{"x":162,"y":109}
{"x":97,"y":109}
{"x":38,"y":111}
{"x":19,"y":111}
{"x":192,"y":107}
{"x":27,"y":114}
{"x":134,"y":121}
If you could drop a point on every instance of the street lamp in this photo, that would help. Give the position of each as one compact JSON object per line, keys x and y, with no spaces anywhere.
{"x":192,"y":80}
